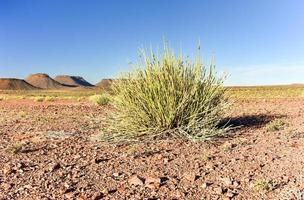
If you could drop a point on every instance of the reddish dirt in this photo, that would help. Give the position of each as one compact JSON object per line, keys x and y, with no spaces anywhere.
{"x":73,"y":81}
{"x":44,"y":81}
{"x":15,"y":84}
{"x":59,"y":159}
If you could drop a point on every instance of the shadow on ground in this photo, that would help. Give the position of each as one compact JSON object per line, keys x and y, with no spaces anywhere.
{"x":249,"y":121}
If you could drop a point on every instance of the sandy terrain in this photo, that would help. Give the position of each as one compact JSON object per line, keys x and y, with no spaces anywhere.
{"x":48,"y":151}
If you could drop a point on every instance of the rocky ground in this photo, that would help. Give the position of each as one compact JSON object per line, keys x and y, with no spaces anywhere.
{"x":48,"y":151}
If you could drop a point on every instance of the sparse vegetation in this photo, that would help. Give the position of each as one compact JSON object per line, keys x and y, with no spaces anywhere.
{"x":265,"y":92}
{"x":20,"y":97}
{"x":264,"y":185}
{"x":39,"y":99}
{"x":16,"y":147}
{"x":168,"y":95}
{"x":276,"y":125}
{"x":100,"y":100}
{"x":50,"y":98}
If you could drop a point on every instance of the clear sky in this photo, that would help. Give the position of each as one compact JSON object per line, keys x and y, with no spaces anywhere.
{"x":256,"y":41}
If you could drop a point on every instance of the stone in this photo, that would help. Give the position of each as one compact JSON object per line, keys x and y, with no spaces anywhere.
{"x":6,"y":186}
{"x":54,"y":167}
{"x":227,"y":181}
{"x":136,"y":180}
{"x":205,"y":185}
{"x":190,"y":176}
{"x":69,"y":195}
{"x":218,"y":190}
{"x":230,"y":194}
{"x":152,"y":182}
{"x":98,"y":196}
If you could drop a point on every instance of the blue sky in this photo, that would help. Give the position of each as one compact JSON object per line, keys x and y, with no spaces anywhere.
{"x":255,"y":41}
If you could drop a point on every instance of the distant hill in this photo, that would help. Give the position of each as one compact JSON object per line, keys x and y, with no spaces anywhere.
{"x":105,"y":84}
{"x":44,"y":81}
{"x":15,"y":84}
{"x":73,"y":81}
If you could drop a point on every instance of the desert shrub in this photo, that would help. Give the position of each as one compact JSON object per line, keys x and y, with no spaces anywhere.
{"x":20,"y":97}
{"x":16,"y":147}
{"x":167,"y":95}
{"x":39,"y":99}
{"x":263,"y":184}
{"x":49,"y":98}
{"x":79,"y":99}
{"x":276,"y":125}
{"x":100,"y":99}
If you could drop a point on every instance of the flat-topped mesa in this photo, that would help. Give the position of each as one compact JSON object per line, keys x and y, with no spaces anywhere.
{"x":43,"y":81}
{"x":73,"y":81}
{"x":15,"y":84}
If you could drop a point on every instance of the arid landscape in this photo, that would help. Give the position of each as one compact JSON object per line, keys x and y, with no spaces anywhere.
{"x":151,"y":100}
{"x":50,"y":149}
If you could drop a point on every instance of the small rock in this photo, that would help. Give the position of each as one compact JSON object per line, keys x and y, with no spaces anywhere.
{"x":218,"y":190}
{"x":20,"y":165}
{"x":190,"y":176}
{"x":112,"y":190}
{"x":236,"y":183}
{"x":54,"y":167}
{"x":247,"y":180}
{"x":227,"y":181}
{"x":100,"y":160}
{"x":205,"y":185}
{"x":7,"y":169}
{"x":69,"y":195}
{"x":228,"y":145}
{"x":98,"y":196}
{"x":210,"y":166}
{"x":6,"y":186}
{"x":230,"y":194}
{"x":136,"y":180}
{"x":152,"y":182}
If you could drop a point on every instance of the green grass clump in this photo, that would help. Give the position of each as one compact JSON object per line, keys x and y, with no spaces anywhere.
{"x":168,"y":95}
{"x":276,"y":125}
{"x":100,"y":100}
{"x":264,"y":185}
{"x":39,"y":99}
{"x":50,"y":98}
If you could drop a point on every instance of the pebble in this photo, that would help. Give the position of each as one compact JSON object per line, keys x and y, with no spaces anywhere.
{"x":190,"y":176}
{"x":136,"y":180}
{"x":69,"y":195}
{"x":205,"y":185}
{"x":98,"y":196}
{"x":6,"y":186}
{"x":7,"y":169}
{"x":230,"y":194}
{"x":218,"y":190}
{"x":152,"y":182}
{"x":54,"y":167}
{"x":227,"y":181}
